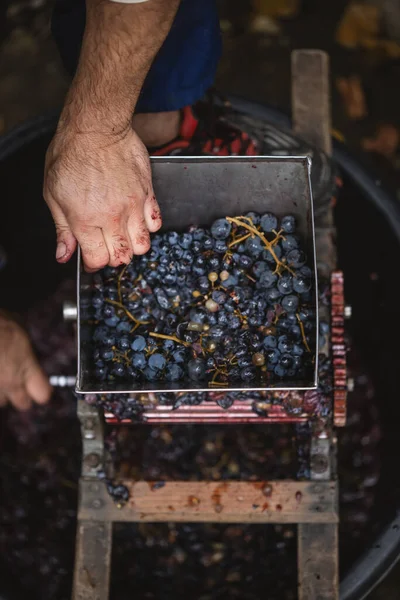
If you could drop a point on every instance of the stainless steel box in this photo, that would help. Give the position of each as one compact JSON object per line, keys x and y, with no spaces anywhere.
{"x":196,"y":191}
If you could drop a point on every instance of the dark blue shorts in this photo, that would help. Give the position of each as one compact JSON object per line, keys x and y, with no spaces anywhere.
{"x":183,"y":69}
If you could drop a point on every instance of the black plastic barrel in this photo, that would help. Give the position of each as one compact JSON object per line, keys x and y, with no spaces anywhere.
{"x":368,"y":239}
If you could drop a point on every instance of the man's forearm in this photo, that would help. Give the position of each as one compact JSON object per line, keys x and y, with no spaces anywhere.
{"x":119,"y":45}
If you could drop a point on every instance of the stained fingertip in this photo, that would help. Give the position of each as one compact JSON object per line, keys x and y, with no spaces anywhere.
{"x":65,"y":249}
{"x":142,"y":242}
{"x":152,"y":215}
{"x":120,"y":249}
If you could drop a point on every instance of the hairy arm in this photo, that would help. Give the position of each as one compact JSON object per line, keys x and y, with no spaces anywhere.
{"x":97,"y":174}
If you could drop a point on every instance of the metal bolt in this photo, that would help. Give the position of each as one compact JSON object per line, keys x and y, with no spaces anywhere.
{"x":350,"y":384}
{"x":92,"y":460}
{"x":70,"y":311}
{"x":89,"y":423}
{"x":348,"y":311}
{"x":319,"y":463}
{"x":89,"y":434}
{"x":94,"y":488}
{"x":97,"y":503}
{"x":62,"y":380}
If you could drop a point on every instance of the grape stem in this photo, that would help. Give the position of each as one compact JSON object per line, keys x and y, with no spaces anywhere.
{"x":120,"y":276}
{"x":303,"y":335}
{"x":239,"y":240}
{"x":268,"y":245}
{"x":128,"y":313}
{"x":169,"y":337}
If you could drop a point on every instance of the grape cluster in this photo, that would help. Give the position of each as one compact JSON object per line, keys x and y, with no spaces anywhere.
{"x":230,"y":304}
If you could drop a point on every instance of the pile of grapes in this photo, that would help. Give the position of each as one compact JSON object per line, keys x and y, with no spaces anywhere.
{"x":231,"y":304}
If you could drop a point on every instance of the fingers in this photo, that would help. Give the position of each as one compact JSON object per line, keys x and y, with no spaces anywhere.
{"x":138,"y":233}
{"x":66,"y":241}
{"x":118,"y":241}
{"x":95,"y":253}
{"x":19,"y":398}
{"x":152,"y":214}
{"x":37,"y":384}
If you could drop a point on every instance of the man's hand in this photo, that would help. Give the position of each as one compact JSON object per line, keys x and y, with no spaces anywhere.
{"x":99,"y":191}
{"x":97,"y":174}
{"x":21,"y":378}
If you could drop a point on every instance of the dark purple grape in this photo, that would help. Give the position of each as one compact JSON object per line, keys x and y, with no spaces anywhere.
{"x":197,"y":369}
{"x":221,"y":229}
{"x":268,"y":222}
{"x":288,"y":224}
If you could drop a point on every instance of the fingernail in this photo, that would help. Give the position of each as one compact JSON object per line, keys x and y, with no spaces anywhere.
{"x":61,"y":250}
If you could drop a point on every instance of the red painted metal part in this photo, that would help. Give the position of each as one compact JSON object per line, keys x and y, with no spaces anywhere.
{"x":338,"y":349}
{"x":209,"y":412}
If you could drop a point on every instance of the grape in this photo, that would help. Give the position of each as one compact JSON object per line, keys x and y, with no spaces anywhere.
{"x":179,"y":356}
{"x":270,"y":342}
{"x":138,"y":360}
{"x":124,"y":326}
{"x":290,"y":242}
{"x":288,"y":224}
{"x":173,"y":373}
{"x":254,"y":217}
{"x":118,"y":369}
{"x":221,"y":229}
{"x":172,"y":238}
{"x":157,"y":361}
{"x":247,"y":374}
{"x":273,"y":356}
{"x":267,"y":279}
{"x":301,"y":284}
{"x":254,"y":246}
{"x":107,"y":354}
{"x":268,"y":222}
{"x":296,"y":258}
{"x":123,"y":343}
{"x":290,"y":303}
{"x":196,"y":369}
{"x":285,"y":284}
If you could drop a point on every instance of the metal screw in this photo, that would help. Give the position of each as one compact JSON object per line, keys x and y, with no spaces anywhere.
{"x":348,"y":311}
{"x":97,"y":503}
{"x":94,"y":488}
{"x":92,"y":460}
{"x":89,"y":423}
{"x":350,"y":384}
{"x":70,"y":311}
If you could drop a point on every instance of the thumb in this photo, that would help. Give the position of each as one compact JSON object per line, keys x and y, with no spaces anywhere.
{"x":36,"y":383}
{"x":66,"y":241}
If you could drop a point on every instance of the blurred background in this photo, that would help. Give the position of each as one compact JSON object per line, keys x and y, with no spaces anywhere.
{"x":363,"y":42}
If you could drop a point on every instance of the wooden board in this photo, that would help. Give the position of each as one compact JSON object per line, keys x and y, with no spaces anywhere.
{"x":227,"y":502}
{"x":92,"y":561}
{"x":318,"y":562}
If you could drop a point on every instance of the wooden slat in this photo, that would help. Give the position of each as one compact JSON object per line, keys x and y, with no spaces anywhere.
{"x":92,"y":560}
{"x":227,"y":502}
{"x":318,"y":562}
{"x":311,"y":111}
